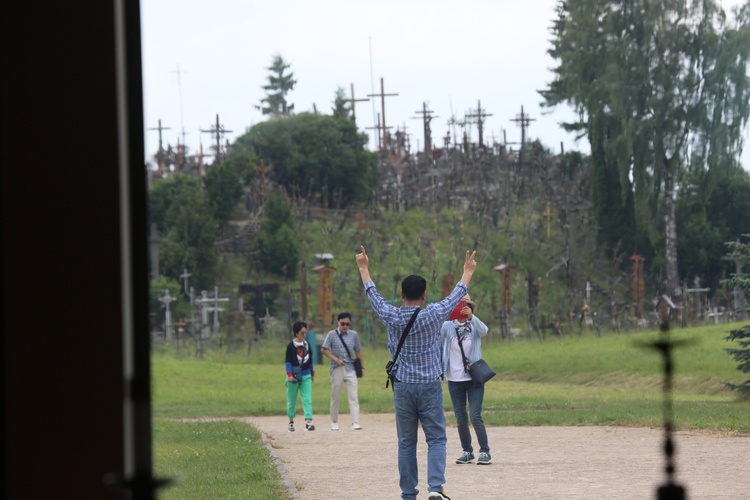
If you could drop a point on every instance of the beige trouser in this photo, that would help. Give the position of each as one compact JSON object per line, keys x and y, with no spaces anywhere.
{"x":338,"y":377}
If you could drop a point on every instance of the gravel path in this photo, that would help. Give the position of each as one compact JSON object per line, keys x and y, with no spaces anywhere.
{"x":613,"y":463}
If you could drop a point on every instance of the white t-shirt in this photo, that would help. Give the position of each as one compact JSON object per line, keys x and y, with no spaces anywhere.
{"x":455,"y":372}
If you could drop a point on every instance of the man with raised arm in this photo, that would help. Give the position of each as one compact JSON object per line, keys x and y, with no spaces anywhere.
{"x":417,"y":392}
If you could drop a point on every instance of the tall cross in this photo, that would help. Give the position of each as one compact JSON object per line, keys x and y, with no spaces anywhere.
{"x":481,"y":117}
{"x":426,"y":119}
{"x":523,"y":121}
{"x":352,"y":101}
{"x":160,"y":152}
{"x":217,"y":131}
{"x":384,"y":128}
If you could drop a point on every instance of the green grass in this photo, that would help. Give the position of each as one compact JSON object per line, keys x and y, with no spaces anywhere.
{"x":574,"y":381}
{"x":581,"y":381}
{"x":217,"y":460}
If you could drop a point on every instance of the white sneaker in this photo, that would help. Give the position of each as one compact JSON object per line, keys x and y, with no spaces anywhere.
{"x":334,"y":426}
{"x":356,"y":427}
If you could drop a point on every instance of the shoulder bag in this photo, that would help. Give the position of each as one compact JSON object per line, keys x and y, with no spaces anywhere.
{"x":479,"y":371}
{"x":389,"y":365}
{"x":357,"y":362}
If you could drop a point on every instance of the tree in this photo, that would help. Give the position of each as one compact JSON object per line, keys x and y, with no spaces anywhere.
{"x":707,"y":218}
{"x":181,"y":211}
{"x":741,"y":252}
{"x":341,"y":105}
{"x":223,"y":191}
{"x":279,"y":85}
{"x":317,"y":157}
{"x":277,"y":240}
{"x":658,"y":85}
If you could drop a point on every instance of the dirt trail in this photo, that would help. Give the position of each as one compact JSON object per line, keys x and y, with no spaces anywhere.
{"x":528,"y":463}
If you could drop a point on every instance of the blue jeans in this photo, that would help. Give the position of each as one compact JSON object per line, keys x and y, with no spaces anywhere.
{"x":414,"y":404}
{"x":460,"y":392}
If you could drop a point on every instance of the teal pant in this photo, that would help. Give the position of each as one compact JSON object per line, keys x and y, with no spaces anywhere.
{"x":304,"y":388}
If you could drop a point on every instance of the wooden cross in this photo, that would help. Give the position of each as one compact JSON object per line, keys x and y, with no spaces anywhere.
{"x":218,"y":131}
{"x":384,"y":128}
{"x":352,"y":100}
{"x":481,"y":116}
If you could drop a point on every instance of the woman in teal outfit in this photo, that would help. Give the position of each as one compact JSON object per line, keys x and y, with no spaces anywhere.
{"x":300,"y":373}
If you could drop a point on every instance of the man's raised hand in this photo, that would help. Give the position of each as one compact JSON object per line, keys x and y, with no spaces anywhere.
{"x":470,"y":264}
{"x":362,"y":260}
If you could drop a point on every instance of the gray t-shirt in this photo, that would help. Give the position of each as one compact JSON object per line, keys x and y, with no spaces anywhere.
{"x":333,"y":344}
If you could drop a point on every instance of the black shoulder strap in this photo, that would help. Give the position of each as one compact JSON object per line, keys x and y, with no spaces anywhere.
{"x":466,"y":360}
{"x":403,"y":335}
{"x":343,"y":343}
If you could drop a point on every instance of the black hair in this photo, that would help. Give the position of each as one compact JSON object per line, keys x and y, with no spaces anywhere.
{"x":343,"y":315}
{"x":298,"y":325}
{"x":413,"y":287}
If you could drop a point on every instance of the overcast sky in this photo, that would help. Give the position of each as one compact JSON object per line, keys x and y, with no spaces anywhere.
{"x":208,"y":58}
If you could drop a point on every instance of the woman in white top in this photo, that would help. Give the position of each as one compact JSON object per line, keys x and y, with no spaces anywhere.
{"x":462,"y":339}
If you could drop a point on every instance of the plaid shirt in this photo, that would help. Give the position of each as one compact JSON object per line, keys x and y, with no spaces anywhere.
{"x":420,"y":360}
{"x":333,"y":344}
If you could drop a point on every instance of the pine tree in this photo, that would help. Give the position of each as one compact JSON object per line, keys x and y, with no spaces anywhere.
{"x":741,"y":253}
{"x":279,"y":85}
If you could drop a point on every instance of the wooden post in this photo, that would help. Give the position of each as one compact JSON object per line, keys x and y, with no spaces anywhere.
{"x":325,"y":295}
{"x":506,"y":298}
{"x":638,"y":285}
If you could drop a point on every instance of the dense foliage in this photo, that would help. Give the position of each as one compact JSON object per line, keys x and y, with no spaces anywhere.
{"x":181,"y":211}
{"x":661,"y":88}
{"x":278,"y":241}
{"x":315,"y":157}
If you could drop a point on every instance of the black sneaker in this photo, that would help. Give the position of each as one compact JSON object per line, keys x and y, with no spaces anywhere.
{"x":291,"y":427}
{"x":309,"y":426}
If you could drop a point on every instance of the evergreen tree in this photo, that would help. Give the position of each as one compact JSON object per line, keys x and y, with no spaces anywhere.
{"x":741,"y":252}
{"x":277,"y":241}
{"x":280,"y":83}
{"x":341,"y":105}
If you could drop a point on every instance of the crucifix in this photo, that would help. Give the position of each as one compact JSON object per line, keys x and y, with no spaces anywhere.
{"x":670,"y":490}
{"x":167,"y":299}
{"x":426,"y":119}
{"x":218,"y":131}
{"x":481,"y":117}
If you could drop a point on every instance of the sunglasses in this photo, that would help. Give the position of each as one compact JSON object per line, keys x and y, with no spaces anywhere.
{"x":345,"y":324}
